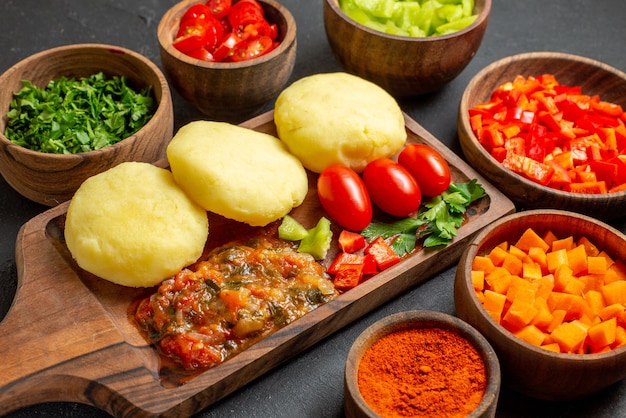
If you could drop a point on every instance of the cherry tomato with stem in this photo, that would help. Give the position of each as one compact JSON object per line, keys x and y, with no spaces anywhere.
{"x":391,"y":187}
{"x":427,"y":166}
{"x":344,"y":197}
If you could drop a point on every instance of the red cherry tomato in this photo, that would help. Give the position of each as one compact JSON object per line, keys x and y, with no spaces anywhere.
{"x":252,"y":48}
{"x":427,"y":166}
{"x":344,"y":197}
{"x":191,"y":38}
{"x":219,"y":8}
{"x":195,"y":15}
{"x":391,"y":187}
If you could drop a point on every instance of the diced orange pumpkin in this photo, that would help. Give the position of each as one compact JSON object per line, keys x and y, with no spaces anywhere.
{"x":620,"y":338}
{"x":531,"y":334}
{"x":480,"y":296}
{"x":520,"y":313}
{"x":483,"y":263}
{"x":538,"y":255}
{"x":563,"y":244}
{"x":552,"y":347}
{"x":556,"y":259}
{"x":609,"y":260}
{"x":521,"y":289}
{"x":478,"y":279}
{"x":544,"y":316}
{"x":614,"y":292}
{"x":570,"y":336}
{"x":531,"y":271}
{"x":611,"y":311}
{"x":513,"y":264}
{"x":595,"y":300}
{"x":590,"y":247}
{"x":529,"y":239}
{"x":558,"y":316}
{"x":497,"y":255}
{"x":619,"y":268}
{"x":577,"y":259}
{"x":574,"y":286}
{"x":603,"y":334}
{"x":549,"y":237}
{"x":574,"y":305}
{"x":514,"y":251}
{"x":545,"y":285}
{"x":494,"y":304}
{"x":592,"y":281}
{"x":562,"y":275}
{"x":596,"y":265}
{"x":499,"y":280}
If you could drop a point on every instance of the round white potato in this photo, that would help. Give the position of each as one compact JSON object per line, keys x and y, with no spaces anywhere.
{"x":133,"y":225}
{"x":338,"y":118}
{"x":239,"y":173}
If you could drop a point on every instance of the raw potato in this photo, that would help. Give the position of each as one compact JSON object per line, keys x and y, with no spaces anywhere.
{"x":239,"y":173}
{"x":338,"y":118}
{"x":132,"y":225}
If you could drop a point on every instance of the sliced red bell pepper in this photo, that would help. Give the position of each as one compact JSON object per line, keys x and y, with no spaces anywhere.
{"x":344,"y":258}
{"x":350,"y":242}
{"x":348,"y":276}
{"x":382,"y":252}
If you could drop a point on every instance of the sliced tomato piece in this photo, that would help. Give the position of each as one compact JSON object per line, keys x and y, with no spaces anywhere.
{"x":193,"y":37}
{"x":219,"y":8}
{"x":201,"y":54}
{"x":194,"y":15}
{"x":227,"y":47}
{"x":244,"y":13}
{"x":252,"y":48}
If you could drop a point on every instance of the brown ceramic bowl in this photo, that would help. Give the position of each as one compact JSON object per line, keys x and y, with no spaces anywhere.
{"x":229,"y":91}
{"x":50,"y":179}
{"x":402,"y":65}
{"x":528,"y":369}
{"x":354,"y":403}
{"x":592,"y":76}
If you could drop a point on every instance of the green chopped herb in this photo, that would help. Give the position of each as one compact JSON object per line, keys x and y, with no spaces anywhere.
{"x":437,"y":220}
{"x":73,"y":115}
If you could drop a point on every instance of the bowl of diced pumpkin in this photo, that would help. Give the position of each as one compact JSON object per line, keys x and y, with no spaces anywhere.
{"x":548,"y":129}
{"x":547,"y":288}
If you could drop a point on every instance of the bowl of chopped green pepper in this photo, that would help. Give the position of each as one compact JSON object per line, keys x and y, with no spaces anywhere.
{"x":74,"y":111}
{"x":409,"y":48}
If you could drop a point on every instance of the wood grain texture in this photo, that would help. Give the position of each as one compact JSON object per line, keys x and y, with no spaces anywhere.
{"x":69,"y":336}
{"x":402,"y":65}
{"x":592,"y":76}
{"x":51,"y":179}
{"x":229,"y":91}
{"x":526,"y":368}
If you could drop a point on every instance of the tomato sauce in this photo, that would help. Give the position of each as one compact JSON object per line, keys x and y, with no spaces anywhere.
{"x":235,"y":296}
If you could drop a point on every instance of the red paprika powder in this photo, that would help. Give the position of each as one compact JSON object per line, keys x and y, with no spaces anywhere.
{"x":427,"y":372}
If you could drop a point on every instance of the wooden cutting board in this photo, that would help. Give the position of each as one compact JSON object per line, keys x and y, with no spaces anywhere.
{"x":68,"y":336}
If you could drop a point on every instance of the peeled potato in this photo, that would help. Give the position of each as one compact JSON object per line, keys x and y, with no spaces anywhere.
{"x":338,"y":118}
{"x":132,"y":225}
{"x":239,"y":173}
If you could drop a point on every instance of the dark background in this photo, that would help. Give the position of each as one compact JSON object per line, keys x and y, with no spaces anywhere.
{"x":311,"y":384}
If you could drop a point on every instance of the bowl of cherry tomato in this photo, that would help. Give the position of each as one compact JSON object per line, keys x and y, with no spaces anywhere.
{"x":406,"y":48}
{"x":228,"y":59}
{"x":548,"y":129}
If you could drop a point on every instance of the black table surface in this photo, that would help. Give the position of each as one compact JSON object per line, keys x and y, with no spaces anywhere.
{"x":311,"y":384}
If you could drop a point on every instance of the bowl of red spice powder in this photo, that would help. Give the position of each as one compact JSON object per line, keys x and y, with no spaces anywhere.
{"x":422,"y":364}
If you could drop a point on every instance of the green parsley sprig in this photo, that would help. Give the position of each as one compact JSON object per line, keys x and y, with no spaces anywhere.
{"x":437,"y":220}
{"x":73,"y":115}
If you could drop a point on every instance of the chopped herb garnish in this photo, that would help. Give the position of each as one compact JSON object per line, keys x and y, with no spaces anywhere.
{"x":437,"y":220}
{"x":73,"y":115}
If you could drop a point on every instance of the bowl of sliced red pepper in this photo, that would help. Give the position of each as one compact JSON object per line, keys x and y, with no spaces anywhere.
{"x":548,"y":129}
{"x":228,"y":58}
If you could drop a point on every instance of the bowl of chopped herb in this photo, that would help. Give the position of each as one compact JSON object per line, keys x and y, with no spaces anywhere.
{"x":74,"y":111}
